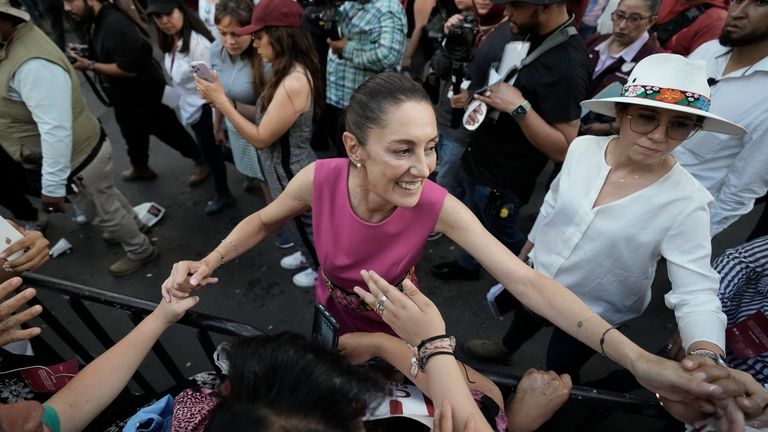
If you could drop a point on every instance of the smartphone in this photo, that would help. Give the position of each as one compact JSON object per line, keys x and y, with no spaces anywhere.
{"x":8,"y":237}
{"x":325,"y":328}
{"x":202,"y":70}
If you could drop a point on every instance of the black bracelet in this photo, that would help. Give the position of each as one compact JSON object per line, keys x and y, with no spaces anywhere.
{"x":423,"y":360}
{"x":602,"y":339}
{"x":428,"y":340}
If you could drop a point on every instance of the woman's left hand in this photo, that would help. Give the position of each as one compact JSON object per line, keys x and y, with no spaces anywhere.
{"x":212,"y":92}
{"x":410,"y":314}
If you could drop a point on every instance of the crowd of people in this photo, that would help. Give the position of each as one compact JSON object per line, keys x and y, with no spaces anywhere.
{"x":653,"y":125}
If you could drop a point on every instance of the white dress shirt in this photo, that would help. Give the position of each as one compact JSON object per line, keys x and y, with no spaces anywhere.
{"x":180,"y":72}
{"x":734,"y":169}
{"x":607,"y":255}
{"x":46,"y":90}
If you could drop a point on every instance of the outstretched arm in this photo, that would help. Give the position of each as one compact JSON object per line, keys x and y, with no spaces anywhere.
{"x":565,"y":310}
{"x":293,"y":201}
{"x":96,"y":386}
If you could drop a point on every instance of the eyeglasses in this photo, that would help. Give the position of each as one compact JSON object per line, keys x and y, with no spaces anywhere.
{"x":756,"y":3}
{"x":676,"y":129}
{"x":618,"y":17}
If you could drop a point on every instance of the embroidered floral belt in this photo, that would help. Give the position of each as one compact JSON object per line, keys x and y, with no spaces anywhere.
{"x":353,"y":301}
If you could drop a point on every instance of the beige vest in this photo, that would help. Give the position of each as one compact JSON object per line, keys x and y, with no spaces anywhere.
{"x":19,"y":135}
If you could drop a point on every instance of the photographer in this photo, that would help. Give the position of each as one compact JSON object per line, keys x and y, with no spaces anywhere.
{"x":539,"y":117}
{"x":469,"y":48}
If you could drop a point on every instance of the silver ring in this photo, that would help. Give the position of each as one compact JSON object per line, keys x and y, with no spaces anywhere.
{"x":383,"y":300}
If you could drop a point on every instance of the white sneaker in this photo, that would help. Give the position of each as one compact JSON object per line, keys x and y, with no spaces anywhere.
{"x":294,"y":261}
{"x":305,"y":279}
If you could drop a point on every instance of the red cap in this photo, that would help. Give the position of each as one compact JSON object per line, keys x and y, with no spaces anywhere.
{"x":273,"y":13}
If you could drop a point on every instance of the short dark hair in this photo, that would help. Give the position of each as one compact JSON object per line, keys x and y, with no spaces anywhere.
{"x":372,"y":101}
{"x":192,"y":22}
{"x":652,"y":5}
{"x":286,"y":382}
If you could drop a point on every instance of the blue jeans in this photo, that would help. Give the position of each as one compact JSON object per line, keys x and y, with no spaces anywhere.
{"x":497,"y":212}
{"x":449,"y":172}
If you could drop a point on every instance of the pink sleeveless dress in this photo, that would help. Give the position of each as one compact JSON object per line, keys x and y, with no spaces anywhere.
{"x":346,"y":244}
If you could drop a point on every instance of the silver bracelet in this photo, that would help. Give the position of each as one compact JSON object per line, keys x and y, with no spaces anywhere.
{"x":717,"y":358}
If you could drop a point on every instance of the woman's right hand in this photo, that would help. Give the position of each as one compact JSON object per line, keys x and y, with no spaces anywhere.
{"x":410,"y":313}
{"x":187,"y":276}
{"x":452,"y":21}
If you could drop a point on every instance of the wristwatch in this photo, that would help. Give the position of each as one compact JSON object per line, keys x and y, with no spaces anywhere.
{"x":521,"y":110}
{"x":717,"y":358}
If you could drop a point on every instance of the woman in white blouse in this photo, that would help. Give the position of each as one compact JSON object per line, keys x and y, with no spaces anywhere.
{"x":184,"y":38}
{"x":619,"y":205}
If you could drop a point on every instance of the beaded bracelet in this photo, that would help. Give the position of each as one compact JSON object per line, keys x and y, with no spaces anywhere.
{"x":438,"y":344}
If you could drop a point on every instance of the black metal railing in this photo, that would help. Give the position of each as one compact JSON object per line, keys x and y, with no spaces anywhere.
{"x":77,"y":296}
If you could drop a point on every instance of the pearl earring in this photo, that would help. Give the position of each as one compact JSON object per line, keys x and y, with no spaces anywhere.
{"x":358,"y":165}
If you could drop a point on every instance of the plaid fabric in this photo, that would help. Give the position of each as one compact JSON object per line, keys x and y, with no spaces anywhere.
{"x":375,"y":33}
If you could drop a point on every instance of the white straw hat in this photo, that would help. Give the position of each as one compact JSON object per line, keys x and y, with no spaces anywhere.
{"x":671,"y":82}
{"x":6,"y":8}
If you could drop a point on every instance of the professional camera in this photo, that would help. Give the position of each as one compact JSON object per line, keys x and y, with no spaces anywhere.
{"x":324,"y":15}
{"x":80,"y":49}
{"x":457,"y":47}
{"x":460,"y":40}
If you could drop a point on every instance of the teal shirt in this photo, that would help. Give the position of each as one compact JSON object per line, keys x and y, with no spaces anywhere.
{"x":51,"y":418}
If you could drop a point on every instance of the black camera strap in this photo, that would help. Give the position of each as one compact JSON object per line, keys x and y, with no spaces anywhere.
{"x":553,"y":40}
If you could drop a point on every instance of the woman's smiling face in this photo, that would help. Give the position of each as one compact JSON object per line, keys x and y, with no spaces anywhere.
{"x":399,"y":155}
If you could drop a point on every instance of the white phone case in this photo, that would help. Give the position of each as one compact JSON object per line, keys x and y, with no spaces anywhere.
{"x":8,"y":236}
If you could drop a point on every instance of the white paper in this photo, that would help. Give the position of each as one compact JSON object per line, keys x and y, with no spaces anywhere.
{"x":149,"y":213}
{"x":514,"y":53}
{"x":171,"y":97}
{"x":404,"y":400}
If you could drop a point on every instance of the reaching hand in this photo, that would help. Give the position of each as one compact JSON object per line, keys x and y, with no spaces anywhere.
{"x":755,"y":402}
{"x":536,"y":399}
{"x":172,"y":311}
{"x":36,"y":251}
{"x":443,"y":421}
{"x":9,"y":318}
{"x":410,"y":314}
{"x":187,"y":276}
{"x":358,"y":348}
{"x":675,"y":384}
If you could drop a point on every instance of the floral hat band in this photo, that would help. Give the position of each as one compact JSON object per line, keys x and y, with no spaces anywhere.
{"x":667,"y":95}
{"x":670,"y":82}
